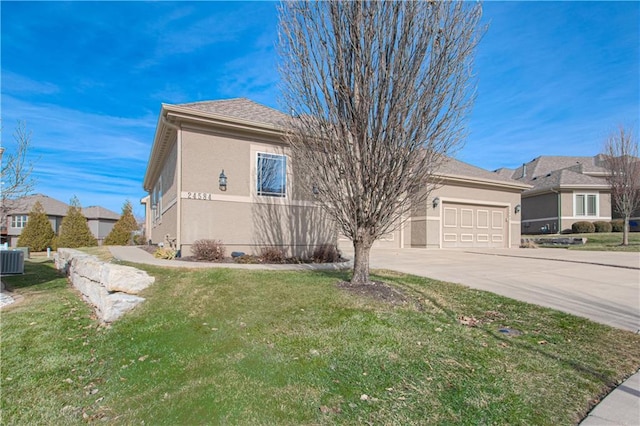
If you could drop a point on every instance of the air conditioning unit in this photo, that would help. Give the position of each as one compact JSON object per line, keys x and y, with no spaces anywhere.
{"x":11,"y":262}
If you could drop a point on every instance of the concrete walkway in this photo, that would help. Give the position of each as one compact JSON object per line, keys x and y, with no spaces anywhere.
{"x":137,"y":255}
{"x":602,"y":286}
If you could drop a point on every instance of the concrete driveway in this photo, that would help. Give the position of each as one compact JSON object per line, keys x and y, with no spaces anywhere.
{"x":602,"y":286}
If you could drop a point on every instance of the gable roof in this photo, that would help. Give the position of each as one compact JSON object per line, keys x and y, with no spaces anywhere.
{"x":460,"y":170}
{"x":24,"y":205}
{"x":97,"y":212}
{"x":545,"y":164}
{"x":53,"y":207}
{"x":243,"y":113}
{"x":566,"y":178}
{"x":240,"y":108}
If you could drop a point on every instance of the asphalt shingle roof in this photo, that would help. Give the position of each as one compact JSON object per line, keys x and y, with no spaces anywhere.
{"x":53,"y":207}
{"x":242,"y":108}
{"x":565,"y":177}
{"x":545,"y":164}
{"x":459,"y":168}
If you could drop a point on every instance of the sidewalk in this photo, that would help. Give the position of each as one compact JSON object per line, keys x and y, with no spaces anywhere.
{"x":137,"y":255}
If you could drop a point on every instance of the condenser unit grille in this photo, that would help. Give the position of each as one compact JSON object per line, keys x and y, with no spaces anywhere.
{"x":11,"y":262}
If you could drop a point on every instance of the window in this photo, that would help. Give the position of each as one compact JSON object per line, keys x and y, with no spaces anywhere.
{"x":271,"y":175}
{"x":19,"y":221}
{"x":586,"y":204}
{"x":156,"y":200}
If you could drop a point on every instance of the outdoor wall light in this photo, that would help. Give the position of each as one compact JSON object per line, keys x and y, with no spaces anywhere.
{"x":222,"y":181}
{"x":436,"y":202}
{"x":517,"y":209}
{"x":315,"y":190}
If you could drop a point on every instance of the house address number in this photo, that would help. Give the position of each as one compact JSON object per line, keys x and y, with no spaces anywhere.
{"x":198,"y":196}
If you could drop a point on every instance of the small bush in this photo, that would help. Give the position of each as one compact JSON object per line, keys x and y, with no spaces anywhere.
{"x":602,"y":226}
{"x":210,"y":250}
{"x":326,"y":253}
{"x":617,"y":225}
{"x":526,"y":243}
{"x":165,"y":253}
{"x":273,"y":255}
{"x":583,"y":228}
{"x":247,"y":259}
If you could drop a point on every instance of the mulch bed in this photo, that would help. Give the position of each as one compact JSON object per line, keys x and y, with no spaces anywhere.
{"x":376,"y":290}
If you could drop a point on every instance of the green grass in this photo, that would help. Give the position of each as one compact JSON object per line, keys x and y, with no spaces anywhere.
{"x":101,"y":252}
{"x":225,"y":346}
{"x":610,"y":241}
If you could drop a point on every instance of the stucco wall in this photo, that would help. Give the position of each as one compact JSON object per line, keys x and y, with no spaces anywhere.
{"x":243,"y":225}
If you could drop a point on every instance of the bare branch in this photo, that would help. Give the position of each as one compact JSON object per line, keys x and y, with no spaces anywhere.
{"x":623,"y":166}
{"x":380,"y":91}
{"x":16,"y":179}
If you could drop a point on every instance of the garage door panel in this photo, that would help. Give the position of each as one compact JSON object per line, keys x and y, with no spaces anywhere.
{"x":469,"y":225}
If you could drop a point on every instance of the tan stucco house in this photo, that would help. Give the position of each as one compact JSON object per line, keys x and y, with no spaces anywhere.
{"x":99,"y":219}
{"x":220,"y":170}
{"x":564,"y":190}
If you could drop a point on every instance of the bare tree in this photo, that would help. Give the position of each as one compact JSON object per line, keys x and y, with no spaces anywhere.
{"x":379,"y":92}
{"x":15,"y":177}
{"x":623,"y":167}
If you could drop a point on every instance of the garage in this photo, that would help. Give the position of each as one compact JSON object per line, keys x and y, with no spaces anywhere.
{"x":474,"y":225}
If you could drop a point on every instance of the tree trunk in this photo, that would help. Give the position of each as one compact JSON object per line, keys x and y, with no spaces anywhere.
{"x":625,"y":232}
{"x":361,"y":251}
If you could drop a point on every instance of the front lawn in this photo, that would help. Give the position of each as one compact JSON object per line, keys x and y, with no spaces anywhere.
{"x":599,"y":241}
{"x":225,"y":346}
{"x":608,"y":241}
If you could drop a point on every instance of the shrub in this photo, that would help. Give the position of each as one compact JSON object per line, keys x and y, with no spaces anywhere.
{"x":602,"y":226}
{"x":37,"y":234}
{"x":526,"y":243}
{"x":326,"y":253}
{"x":210,"y":250}
{"x":122,"y":230}
{"x":165,"y":253}
{"x":74,"y":230}
{"x":617,"y":225}
{"x":583,"y":228}
{"x":273,"y":255}
{"x":247,"y":259}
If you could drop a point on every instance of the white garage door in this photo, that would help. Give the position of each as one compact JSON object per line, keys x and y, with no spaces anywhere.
{"x":470,"y":225}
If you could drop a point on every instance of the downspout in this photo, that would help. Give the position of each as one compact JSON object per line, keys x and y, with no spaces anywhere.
{"x":178,"y":181}
{"x":559,"y":230}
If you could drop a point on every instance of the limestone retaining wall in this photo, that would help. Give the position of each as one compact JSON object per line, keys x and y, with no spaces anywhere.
{"x":111,"y":289}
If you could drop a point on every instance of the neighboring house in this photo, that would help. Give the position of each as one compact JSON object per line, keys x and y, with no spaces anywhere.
{"x":564,"y":190}
{"x":99,"y":219}
{"x":220,"y":170}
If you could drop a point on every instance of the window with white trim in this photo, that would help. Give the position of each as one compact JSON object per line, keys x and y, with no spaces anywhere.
{"x":271,"y":175}
{"x":19,"y":221}
{"x":586,"y":204}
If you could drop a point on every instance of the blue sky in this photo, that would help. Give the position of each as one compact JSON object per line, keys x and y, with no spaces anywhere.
{"x":554,"y":78}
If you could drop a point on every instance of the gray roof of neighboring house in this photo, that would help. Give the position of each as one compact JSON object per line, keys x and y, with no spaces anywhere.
{"x":24,"y":205}
{"x":545,"y":164}
{"x":565,"y":177}
{"x":53,"y":207}
{"x":242,"y":108}
{"x":97,"y":212}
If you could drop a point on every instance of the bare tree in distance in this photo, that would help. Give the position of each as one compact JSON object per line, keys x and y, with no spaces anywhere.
{"x":379,"y":92}
{"x":623,"y":167}
{"x":16,"y":172}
